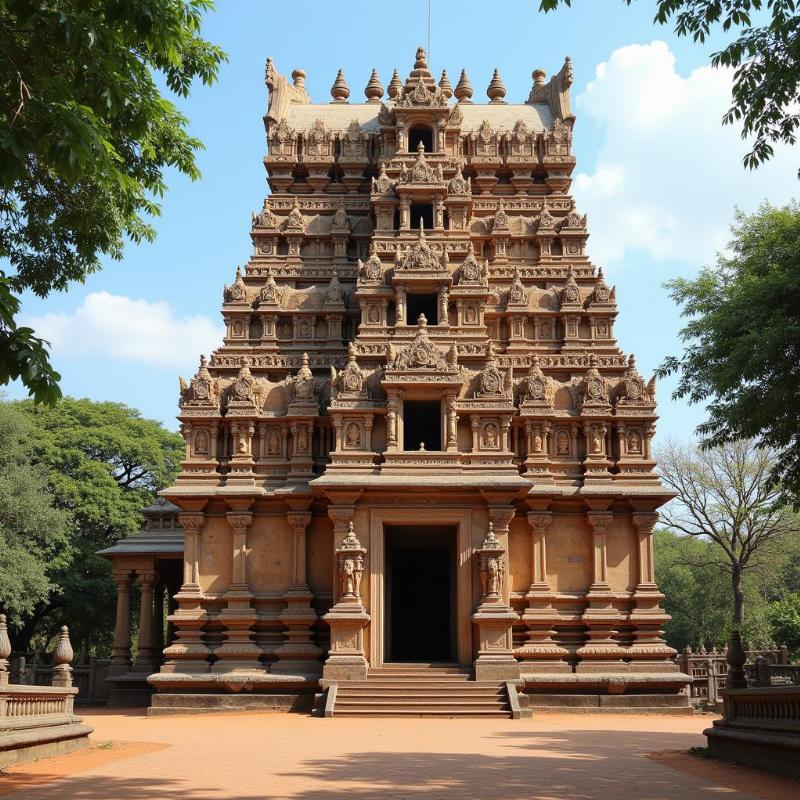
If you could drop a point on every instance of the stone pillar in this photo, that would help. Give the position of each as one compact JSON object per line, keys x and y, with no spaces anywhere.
{"x":601,"y":652}
{"x":188,"y":652}
{"x":648,"y":651}
{"x":144,"y":649}
{"x":494,"y":618}
{"x":5,"y":653}
{"x":158,"y":623}
{"x":452,"y":424}
{"x":121,"y":651}
{"x":348,"y":617}
{"x":298,"y":655}
{"x":239,"y":651}
{"x":540,"y":615}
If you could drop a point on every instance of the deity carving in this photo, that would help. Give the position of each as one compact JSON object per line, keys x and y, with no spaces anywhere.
{"x":471,"y":271}
{"x":237,"y":291}
{"x":350,"y":556}
{"x":350,"y":381}
{"x":490,"y":436}
{"x":516,"y":294}
{"x":492,"y":567}
{"x":372,"y":270}
{"x":202,"y":390}
{"x":269,"y":291}
{"x":421,"y":353}
{"x":570,"y":294}
{"x":634,"y":444}
{"x":295,"y":219}
{"x":353,"y":435}
{"x":201,"y":442}
{"x":302,"y":386}
{"x":421,"y":257}
{"x":633,"y":390}
{"x":333,"y":293}
{"x":562,"y":443}
{"x":538,"y":388}
{"x":374,"y":315}
{"x":273,"y":442}
{"x":458,"y":184}
{"x":383,"y":183}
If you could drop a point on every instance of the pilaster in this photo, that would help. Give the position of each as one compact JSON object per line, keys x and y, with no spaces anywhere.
{"x":121,"y":650}
{"x":145,"y":661}
{"x":601,"y":652}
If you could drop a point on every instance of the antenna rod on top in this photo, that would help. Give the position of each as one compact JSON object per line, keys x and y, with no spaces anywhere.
{"x":429,"y":30}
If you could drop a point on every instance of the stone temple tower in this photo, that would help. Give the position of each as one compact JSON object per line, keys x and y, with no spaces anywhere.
{"x":418,"y":450}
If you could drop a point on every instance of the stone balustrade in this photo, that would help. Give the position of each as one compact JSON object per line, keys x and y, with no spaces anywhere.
{"x":37,"y":721}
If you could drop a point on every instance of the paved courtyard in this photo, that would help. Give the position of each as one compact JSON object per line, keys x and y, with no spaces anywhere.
{"x":248,"y":756}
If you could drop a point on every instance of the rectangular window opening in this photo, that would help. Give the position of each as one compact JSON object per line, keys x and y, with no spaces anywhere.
{"x":422,"y":424}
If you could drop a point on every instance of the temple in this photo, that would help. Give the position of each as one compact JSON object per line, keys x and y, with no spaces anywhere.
{"x":418,"y":472}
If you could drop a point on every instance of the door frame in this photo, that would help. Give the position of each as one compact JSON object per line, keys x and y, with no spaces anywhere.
{"x":461,"y":519}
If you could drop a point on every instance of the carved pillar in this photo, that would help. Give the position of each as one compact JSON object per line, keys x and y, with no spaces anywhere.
{"x":121,"y":651}
{"x":400,"y":306}
{"x":601,"y":651}
{"x":238,"y":651}
{"x":144,"y":649}
{"x":452,"y":424}
{"x":648,"y":649}
{"x":188,"y":652}
{"x":494,"y":618}
{"x":391,"y":423}
{"x":540,"y":615}
{"x":348,"y":618}
{"x":158,"y":624}
{"x":298,"y":655}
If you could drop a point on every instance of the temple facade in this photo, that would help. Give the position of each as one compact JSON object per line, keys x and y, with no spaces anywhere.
{"x":418,"y":446}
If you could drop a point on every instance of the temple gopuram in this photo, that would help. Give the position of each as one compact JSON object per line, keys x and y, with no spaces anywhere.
{"x":418,"y":473}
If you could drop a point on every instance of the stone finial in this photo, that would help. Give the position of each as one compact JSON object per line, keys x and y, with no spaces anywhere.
{"x":5,"y":649}
{"x":421,"y":61}
{"x":374,"y":89}
{"x":422,"y":321}
{"x":395,"y":86}
{"x":538,"y":76}
{"x":463,"y":90}
{"x":340,"y":91}
{"x":299,"y":78}
{"x":496,"y":89}
{"x":444,"y":85}
{"x":62,"y":658}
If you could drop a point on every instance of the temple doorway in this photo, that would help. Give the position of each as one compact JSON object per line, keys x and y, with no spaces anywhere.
{"x":420,"y":598}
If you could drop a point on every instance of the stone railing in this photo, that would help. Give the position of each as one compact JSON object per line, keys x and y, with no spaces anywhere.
{"x":763,"y":673}
{"x":709,"y":670}
{"x":37,"y":721}
{"x":88,"y":675}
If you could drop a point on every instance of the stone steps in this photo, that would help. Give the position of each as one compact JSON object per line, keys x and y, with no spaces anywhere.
{"x":420,"y":690}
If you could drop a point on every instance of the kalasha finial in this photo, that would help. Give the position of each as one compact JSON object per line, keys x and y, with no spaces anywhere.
{"x":422,"y":59}
{"x":340,"y":91}
{"x":5,"y":644}
{"x":538,"y":76}
{"x":63,"y":653}
{"x":374,"y":89}
{"x":444,"y":85}
{"x":422,"y":321}
{"x":299,"y":78}
{"x":496,"y":89}
{"x":395,"y":86}
{"x":463,"y":90}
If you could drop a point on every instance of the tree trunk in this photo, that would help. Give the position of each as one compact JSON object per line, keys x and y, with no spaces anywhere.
{"x":738,"y":597}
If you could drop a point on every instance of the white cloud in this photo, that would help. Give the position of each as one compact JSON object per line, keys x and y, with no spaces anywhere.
{"x":668,"y":174}
{"x":126,"y":329}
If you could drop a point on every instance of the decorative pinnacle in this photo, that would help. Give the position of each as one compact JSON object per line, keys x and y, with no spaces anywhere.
{"x":463,"y":90}
{"x":63,"y":653}
{"x":538,"y":76}
{"x":299,"y":78}
{"x":422,"y":321}
{"x":374,"y":89}
{"x":5,"y":643}
{"x":496,"y":89}
{"x":444,"y":85}
{"x":395,"y":86}
{"x":340,"y":91}
{"x":422,"y":59}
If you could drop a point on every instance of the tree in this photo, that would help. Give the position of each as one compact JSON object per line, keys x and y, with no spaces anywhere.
{"x":741,"y":352}
{"x":724,"y":495}
{"x":34,"y":534}
{"x":784,"y":616}
{"x":765,"y":59}
{"x":102,"y":462}
{"x":85,"y":138}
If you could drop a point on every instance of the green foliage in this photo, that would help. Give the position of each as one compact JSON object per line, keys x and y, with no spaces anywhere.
{"x":742,"y":340}
{"x":99,"y":464}
{"x":765,"y":59}
{"x":784,"y":618}
{"x":34,"y":534}
{"x":85,"y":138}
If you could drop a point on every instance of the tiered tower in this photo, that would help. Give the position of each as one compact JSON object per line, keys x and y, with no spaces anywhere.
{"x":419,"y":338}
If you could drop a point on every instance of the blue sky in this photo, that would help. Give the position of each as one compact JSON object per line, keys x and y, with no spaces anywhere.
{"x":657,"y":174}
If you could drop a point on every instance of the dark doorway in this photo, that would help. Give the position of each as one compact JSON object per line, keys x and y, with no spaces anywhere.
{"x":422,"y":422}
{"x":420,"y":594}
{"x":424,"y":212}
{"x":417,"y":134}
{"x":426,"y":304}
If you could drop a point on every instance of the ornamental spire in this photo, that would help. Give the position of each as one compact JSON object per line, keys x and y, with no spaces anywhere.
{"x":463,"y":90}
{"x":340,"y":91}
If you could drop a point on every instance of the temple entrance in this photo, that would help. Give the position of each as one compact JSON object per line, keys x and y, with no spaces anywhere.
{"x":420,"y":598}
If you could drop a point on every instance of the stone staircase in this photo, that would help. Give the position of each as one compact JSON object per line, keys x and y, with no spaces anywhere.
{"x":420,"y":690}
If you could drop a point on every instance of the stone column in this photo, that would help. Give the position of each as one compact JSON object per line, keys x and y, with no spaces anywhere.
{"x":601,"y":652}
{"x":348,"y":617}
{"x":158,"y":623}
{"x":494,"y":618}
{"x":540,"y":615}
{"x":648,"y":651}
{"x":188,"y":652}
{"x":452,"y":424}
{"x":238,"y":652}
{"x":298,"y":655}
{"x":144,"y":649}
{"x":121,"y":651}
